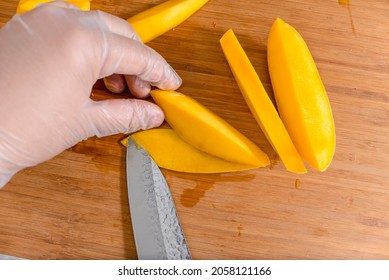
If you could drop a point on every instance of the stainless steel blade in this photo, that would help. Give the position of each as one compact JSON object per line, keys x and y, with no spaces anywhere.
{"x":157,"y":230}
{"x":9,"y":257}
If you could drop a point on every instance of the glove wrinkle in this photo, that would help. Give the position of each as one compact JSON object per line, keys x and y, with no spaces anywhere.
{"x":20,"y":20}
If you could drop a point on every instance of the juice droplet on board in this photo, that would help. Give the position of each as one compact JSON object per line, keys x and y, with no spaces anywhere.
{"x":297,"y":183}
{"x":347,"y":3}
{"x":344,"y":2}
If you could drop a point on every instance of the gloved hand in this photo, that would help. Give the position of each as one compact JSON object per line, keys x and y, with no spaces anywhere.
{"x":49,"y":60}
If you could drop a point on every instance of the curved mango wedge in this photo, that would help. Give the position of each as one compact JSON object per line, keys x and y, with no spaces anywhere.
{"x":163,"y":17}
{"x":260,"y":104}
{"x":169,"y":151}
{"x":206,"y":131}
{"x":27,"y":5}
{"x":301,"y":97}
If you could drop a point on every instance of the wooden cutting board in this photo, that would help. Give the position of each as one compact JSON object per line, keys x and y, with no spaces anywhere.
{"x":75,"y":206}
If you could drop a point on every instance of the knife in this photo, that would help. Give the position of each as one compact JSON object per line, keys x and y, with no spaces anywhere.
{"x":157,"y":230}
{"x":8,"y":257}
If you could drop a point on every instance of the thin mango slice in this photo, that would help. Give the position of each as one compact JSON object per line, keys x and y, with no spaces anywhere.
{"x":206,"y":131}
{"x":301,"y":96}
{"x":169,"y":151}
{"x":260,"y":104}
{"x":27,"y":5}
{"x":163,"y":17}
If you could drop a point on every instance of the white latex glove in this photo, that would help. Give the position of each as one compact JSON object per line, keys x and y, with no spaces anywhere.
{"x":49,"y":60}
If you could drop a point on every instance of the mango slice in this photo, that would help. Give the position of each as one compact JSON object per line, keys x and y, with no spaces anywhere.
{"x":301,"y":96}
{"x":163,"y":17}
{"x":260,"y":104}
{"x":27,"y":5}
{"x":169,"y":151}
{"x":206,"y":131}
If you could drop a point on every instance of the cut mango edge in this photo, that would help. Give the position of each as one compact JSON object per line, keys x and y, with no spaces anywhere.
{"x":206,"y":131}
{"x":260,"y":104}
{"x":27,"y":5}
{"x":301,"y":97}
{"x":159,"y":19}
{"x":169,"y":151}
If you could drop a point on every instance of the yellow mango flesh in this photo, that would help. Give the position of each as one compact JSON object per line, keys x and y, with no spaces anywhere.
{"x":301,"y":96}
{"x":260,"y":104}
{"x":169,"y":151}
{"x":27,"y":5}
{"x":206,"y":131}
{"x":163,"y":17}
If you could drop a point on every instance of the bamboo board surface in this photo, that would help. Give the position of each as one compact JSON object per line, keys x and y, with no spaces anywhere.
{"x":75,"y":206}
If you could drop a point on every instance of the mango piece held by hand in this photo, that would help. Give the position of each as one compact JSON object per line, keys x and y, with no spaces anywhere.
{"x":301,"y":96}
{"x":163,"y":17}
{"x":171,"y":152}
{"x":206,"y":131}
{"x":260,"y":104}
{"x":27,"y":5}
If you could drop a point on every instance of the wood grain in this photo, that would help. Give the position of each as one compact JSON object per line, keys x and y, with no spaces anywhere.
{"x":75,"y":206}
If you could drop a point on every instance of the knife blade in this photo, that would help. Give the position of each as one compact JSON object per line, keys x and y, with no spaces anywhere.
{"x":9,"y":257}
{"x":157,"y":229}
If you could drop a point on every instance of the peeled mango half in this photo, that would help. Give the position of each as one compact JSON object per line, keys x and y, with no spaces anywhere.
{"x":163,"y":17}
{"x":206,"y":131}
{"x":301,"y":97}
{"x":171,"y":152}
{"x":27,"y":5}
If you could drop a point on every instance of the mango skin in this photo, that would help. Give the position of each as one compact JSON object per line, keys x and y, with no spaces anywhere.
{"x":301,"y":97}
{"x":159,"y":19}
{"x":206,"y":131}
{"x":169,"y":151}
{"x":260,"y":104}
